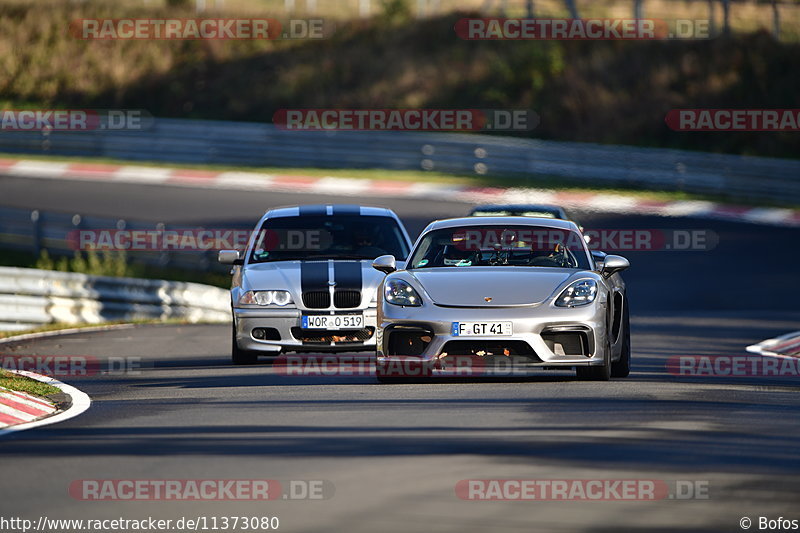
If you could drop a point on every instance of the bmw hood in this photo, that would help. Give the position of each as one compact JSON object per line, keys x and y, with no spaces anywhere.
{"x":505,"y":286}
{"x":298,"y":277}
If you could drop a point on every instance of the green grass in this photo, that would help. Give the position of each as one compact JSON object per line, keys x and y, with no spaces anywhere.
{"x":61,"y":326}
{"x":15,"y":382}
{"x":113,"y":264}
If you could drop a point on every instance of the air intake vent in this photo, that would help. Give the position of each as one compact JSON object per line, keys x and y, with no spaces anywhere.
{"x":317,"y":299}
{"x":346,"y":336}
{"x":346,"y":299}
{"x":568,"y":342}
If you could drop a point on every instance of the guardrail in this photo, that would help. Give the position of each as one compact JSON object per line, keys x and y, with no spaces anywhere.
{"x":35,"y":230}
{"x":30,"y":298}
{"x":251,"y":144}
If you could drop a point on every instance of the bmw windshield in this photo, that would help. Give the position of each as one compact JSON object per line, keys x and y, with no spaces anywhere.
{"x":328,"y":237}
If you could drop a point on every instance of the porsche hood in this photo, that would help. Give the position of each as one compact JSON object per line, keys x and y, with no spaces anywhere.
{"x":490,"y":286}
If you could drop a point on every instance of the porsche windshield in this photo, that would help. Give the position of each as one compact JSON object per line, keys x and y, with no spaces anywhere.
{"x":494,"y":245}
{"x":328,"y":237}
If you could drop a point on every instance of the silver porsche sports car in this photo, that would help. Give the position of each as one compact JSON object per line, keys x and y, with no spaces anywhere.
{"x":502,"y":293}
{"x":306,"y":282}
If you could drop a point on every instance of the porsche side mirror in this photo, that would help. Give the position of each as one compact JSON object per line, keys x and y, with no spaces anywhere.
{"x":385,"y":263}
{"x":613,"y":264}
{"x":599,"y":258}
{"x":230,"y":257}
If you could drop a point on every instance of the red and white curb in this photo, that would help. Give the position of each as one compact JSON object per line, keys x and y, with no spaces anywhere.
{"x":19,"y":411}
{"x":19,"y":407}
{"x":80,"y":400}
{"x":784,"y":346}
{"x":369,"y":188}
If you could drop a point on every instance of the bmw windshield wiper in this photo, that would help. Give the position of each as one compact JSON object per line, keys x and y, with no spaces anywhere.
{"x":276,"y":259}
{"x":314,"y":257}
{"x":348,"y":257}
{"x":335,"y":257}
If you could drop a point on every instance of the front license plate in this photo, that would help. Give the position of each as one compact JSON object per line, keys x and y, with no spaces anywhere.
{"x":333,"y":321}
{"x":481,"y":329}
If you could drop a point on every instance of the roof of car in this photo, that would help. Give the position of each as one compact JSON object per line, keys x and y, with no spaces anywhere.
{"x":518,"y":207}
{"x":329,"y":209}
{"x":552,"y":223}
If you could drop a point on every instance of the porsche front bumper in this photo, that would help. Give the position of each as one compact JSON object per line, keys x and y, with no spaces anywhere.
{"x":543,"y":336}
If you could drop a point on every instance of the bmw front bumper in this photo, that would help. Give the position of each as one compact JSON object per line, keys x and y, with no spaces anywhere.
{"x":286,"y":325}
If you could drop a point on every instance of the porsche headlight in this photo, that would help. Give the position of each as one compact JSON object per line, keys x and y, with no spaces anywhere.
{"x":264,"y":298}
{"x":399,"y":292}
{"x":581,"y":292}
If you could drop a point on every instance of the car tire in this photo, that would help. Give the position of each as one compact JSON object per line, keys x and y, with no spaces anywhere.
{"x":599,"y":372}
{"x":622,"y":368}
{"x":239,"y":356}
{"x":594,"y":373}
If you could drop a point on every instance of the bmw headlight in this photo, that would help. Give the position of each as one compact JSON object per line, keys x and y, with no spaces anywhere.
{"x":279,"y":298}
{"x":399,"y":292}
{"x":581,"y":292}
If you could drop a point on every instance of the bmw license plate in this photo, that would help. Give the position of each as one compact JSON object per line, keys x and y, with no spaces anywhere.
{"x":354,"y":321}
{"x":481,"y":329}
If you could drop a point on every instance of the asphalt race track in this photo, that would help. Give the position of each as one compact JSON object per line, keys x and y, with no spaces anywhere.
{"x":390,"y":456}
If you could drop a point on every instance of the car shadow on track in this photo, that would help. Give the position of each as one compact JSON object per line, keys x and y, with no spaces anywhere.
{"x":568,"y":437}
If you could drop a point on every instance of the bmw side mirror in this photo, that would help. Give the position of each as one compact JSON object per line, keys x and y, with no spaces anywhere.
{"x":385,"y":263}
{"x":613,"y":264}
{"x":230,"y":257}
